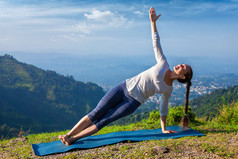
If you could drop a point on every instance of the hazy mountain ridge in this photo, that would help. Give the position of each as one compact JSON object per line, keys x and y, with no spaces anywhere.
{"x":109,"y":70}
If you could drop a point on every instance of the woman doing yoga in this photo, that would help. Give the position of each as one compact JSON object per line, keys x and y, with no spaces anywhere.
{"x":126,"y":97}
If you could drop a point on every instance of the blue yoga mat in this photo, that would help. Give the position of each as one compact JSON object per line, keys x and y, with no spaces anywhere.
{"x":111,"y":138}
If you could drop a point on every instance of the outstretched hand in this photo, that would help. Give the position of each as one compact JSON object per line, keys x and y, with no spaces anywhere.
{"x":153,"y":16}
{"x":169,"y":131}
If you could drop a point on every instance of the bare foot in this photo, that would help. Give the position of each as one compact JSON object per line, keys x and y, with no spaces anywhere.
{"x":63,"y":138}
{"x":69,"y":141}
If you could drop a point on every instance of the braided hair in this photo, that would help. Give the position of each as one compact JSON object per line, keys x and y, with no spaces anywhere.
{"x":188,"y":78}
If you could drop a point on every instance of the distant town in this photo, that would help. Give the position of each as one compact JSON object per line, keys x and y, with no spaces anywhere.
{"x":201,"y":85}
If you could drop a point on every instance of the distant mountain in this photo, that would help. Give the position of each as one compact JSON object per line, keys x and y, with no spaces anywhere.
{"x":109,"y":70}
{"x":208,"y":105}
{"x":39,"y":100}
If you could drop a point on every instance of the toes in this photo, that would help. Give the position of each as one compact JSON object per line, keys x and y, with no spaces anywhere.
{"x":62,"y":138}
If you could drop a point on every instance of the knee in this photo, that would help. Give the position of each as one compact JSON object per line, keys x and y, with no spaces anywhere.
{"x":86,"y":117}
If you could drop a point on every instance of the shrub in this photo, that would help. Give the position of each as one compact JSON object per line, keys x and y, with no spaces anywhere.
{"x":154,"y":116}
{"x":174,"y":117}
{"x":176,"y":113}
{"x":228,"y":114}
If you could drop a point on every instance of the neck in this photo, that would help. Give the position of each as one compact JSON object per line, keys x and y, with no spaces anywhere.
{"x":169,"y":77}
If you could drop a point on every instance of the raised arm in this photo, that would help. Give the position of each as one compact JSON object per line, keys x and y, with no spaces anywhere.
{"x":155,"y":37}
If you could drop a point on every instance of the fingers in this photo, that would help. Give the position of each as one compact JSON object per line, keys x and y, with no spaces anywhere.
{"x":168,"y":131}
{"x":158,"y":17}
{"x":172,"y":131}
{"x":152,"y":12}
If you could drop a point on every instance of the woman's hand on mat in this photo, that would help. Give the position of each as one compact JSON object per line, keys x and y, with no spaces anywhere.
{"x":153,"y":16}
{"x":169,"y":131}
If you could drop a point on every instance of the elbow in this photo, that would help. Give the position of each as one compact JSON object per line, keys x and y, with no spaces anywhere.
{"x":156,"y":37}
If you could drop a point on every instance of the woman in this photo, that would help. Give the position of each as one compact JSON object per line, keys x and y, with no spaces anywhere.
{"x":126,"y":97}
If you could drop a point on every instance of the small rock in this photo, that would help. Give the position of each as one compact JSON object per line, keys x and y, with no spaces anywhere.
{"x":23,"y":139}
{"x":161,"y":149}
{"x":115,"y":149}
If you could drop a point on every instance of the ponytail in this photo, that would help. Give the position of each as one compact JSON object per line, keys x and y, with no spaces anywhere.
{"x":188,"y":78}
{"x":185,"y":119}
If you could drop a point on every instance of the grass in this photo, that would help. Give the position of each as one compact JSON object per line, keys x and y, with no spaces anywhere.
{"x":220,"y":141}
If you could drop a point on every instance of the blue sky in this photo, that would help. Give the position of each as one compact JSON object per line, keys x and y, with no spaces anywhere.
{"x":186,"y":27}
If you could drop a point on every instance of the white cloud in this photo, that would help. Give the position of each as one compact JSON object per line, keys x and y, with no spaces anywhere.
{"x":58,"y":18}
{"x":186,"y":8}
{"x":44,"y":11}
{"x":139,"y":13}
{"x":63,"y":25}
{"x":73,"y":37}
{"x":37,"y":16}
{"x":85,"y":28}
{"x":101,"y":16}
{"x":101,"y":20}
{"x":106,"y":17}
{"x":196,"y":9}
{"x":60,"y":27}
{"x":190,"y":8}
{"x":228,"y":8}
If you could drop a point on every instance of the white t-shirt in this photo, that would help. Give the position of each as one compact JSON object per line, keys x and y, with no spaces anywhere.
{"x":151,"y":81}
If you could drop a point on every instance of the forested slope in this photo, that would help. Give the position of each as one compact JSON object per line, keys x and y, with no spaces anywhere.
{"x":39,"y":100}
{"x":208,"y":105}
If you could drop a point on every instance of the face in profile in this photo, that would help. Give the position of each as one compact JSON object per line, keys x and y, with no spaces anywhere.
{"x":182,"y":69}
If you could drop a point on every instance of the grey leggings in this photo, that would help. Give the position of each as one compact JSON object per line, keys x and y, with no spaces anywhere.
{"x":117,"y":103}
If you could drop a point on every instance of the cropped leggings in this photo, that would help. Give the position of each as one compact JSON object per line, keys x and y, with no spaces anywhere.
{"x":117,"y":103}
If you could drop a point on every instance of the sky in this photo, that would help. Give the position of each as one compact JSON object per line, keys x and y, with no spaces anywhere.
{"x":119,"y":27}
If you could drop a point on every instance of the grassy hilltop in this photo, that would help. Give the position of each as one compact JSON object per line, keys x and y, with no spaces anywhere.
{"x":220,"y":140}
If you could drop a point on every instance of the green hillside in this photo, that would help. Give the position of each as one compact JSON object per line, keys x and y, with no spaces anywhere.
{"x":208,"y":105}
{"x":38,"y":100}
